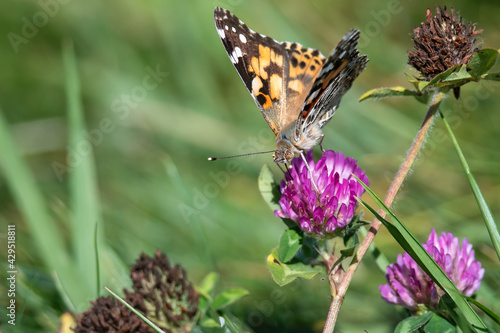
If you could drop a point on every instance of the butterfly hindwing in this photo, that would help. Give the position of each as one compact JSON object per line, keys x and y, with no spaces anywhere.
{"x":304,"y":64}
{"x":336,"y":77}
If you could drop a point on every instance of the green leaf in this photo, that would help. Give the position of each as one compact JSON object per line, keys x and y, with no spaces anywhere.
{"x":209,"y":322}
{"x":206,"y":291}
{"x":351,"y":240}
{"x":348,"y":252}
{"x":208,"y":284}
{"x":410,"y":244}
{"x":268,"y":188}
{"x":308,"y":252}
{"x":452,"y":78}
{"x":228,"y":297}
{"x":439,"y":324}
{"x":492,"y":76}
{"x":350,"y":236}
{"x":456,"y":75}
{"x":422,"y":85}
{"x":442,"y":76}
{"x":413,"y":323}
{"x":285,"y":273}
{"x":482,"y":61}
{"x":483,"y":206}
{"x":290,"y":244}
{"x":414,"y":81}
{"x":387,"y":92}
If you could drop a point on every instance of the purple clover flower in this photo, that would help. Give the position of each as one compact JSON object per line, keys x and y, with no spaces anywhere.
{"x":323,"y":213}
{"x":412,"y":288}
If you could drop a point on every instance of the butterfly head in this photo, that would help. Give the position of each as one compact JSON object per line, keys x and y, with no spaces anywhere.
{"x":285,"y":151}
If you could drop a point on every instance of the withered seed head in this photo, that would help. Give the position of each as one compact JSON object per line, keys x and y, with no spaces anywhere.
{"x":107,"y":314}
{"x":442,"y":42}
{"x":167,"y":295}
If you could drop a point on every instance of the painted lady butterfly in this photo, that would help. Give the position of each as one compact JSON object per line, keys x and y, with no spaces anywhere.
{"x":296,"y":88}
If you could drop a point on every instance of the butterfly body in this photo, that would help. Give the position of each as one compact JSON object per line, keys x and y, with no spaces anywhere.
{"x":296,"y":88}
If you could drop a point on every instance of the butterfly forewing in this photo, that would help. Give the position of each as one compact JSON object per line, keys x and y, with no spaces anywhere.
{"x":278,"y":75}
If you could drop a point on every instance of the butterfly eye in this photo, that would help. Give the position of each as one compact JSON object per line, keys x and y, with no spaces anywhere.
{"x":289,"y":155}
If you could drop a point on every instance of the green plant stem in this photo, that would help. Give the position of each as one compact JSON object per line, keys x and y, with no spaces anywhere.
{"x":338,"y":297}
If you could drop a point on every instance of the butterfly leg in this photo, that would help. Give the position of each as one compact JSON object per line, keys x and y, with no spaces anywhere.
{"x":284,"y":171}
{"x":321,"y":142}
{"x":310,"y":171}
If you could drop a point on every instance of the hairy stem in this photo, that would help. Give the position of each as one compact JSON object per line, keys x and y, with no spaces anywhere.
{"x":338,"y":297}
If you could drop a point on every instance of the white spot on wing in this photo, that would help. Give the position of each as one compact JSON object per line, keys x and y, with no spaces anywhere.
{"x":237,"y":51}
{"x":243,"y":38}
{"x":234,"y":29}
{"x":235,"y":55}
{"x":226,"y":27}
{"x":221,"y":33}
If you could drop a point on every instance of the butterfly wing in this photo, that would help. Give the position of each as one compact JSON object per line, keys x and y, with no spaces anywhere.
{"x":277,"y":75}
{"x":339,"y":71}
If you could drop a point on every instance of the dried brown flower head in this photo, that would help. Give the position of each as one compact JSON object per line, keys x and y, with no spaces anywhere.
{"x":442,"y":42}
{"x":167,"y":295}
{"x":107,"y":314}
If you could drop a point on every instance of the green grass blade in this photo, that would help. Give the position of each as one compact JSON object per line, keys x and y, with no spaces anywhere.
{"x":229,"y":324}
{"x":495,"y":317}
{"x":483,"y":206}
{"x":188,"y":212}
{"x":144,"y":318}
{"x":413,"y":247}
{"x":83,"y":180}
{"x":98,"y":264}
{"x":33,"y":207}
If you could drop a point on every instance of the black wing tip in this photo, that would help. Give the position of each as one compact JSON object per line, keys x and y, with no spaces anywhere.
{"x":219,"y":12}
{"x":351,"y":37}
{"x":349,"y":44}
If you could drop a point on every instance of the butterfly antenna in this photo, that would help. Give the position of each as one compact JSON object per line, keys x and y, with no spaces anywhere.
{"x":221,"y":158}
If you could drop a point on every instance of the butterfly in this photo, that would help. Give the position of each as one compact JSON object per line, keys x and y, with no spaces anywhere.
{"x":296,"y":88}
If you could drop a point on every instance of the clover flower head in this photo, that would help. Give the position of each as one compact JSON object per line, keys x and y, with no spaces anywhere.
{"x":409,"y":286}
{"x":323,"y":212}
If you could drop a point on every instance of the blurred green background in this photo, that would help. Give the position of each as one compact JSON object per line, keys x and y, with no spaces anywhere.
{"x":155,"y":187}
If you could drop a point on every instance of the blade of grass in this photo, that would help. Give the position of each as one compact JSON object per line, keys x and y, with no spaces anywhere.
{"x":33,"y":207}
{"x":495,"y":317}
{"x":483,"y":206}
{"x":144,"y":318}
{"x":175,"y":177}
{"x":98,"y":264}
{"x":83,"y":180}
{"x":411,"y":245}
